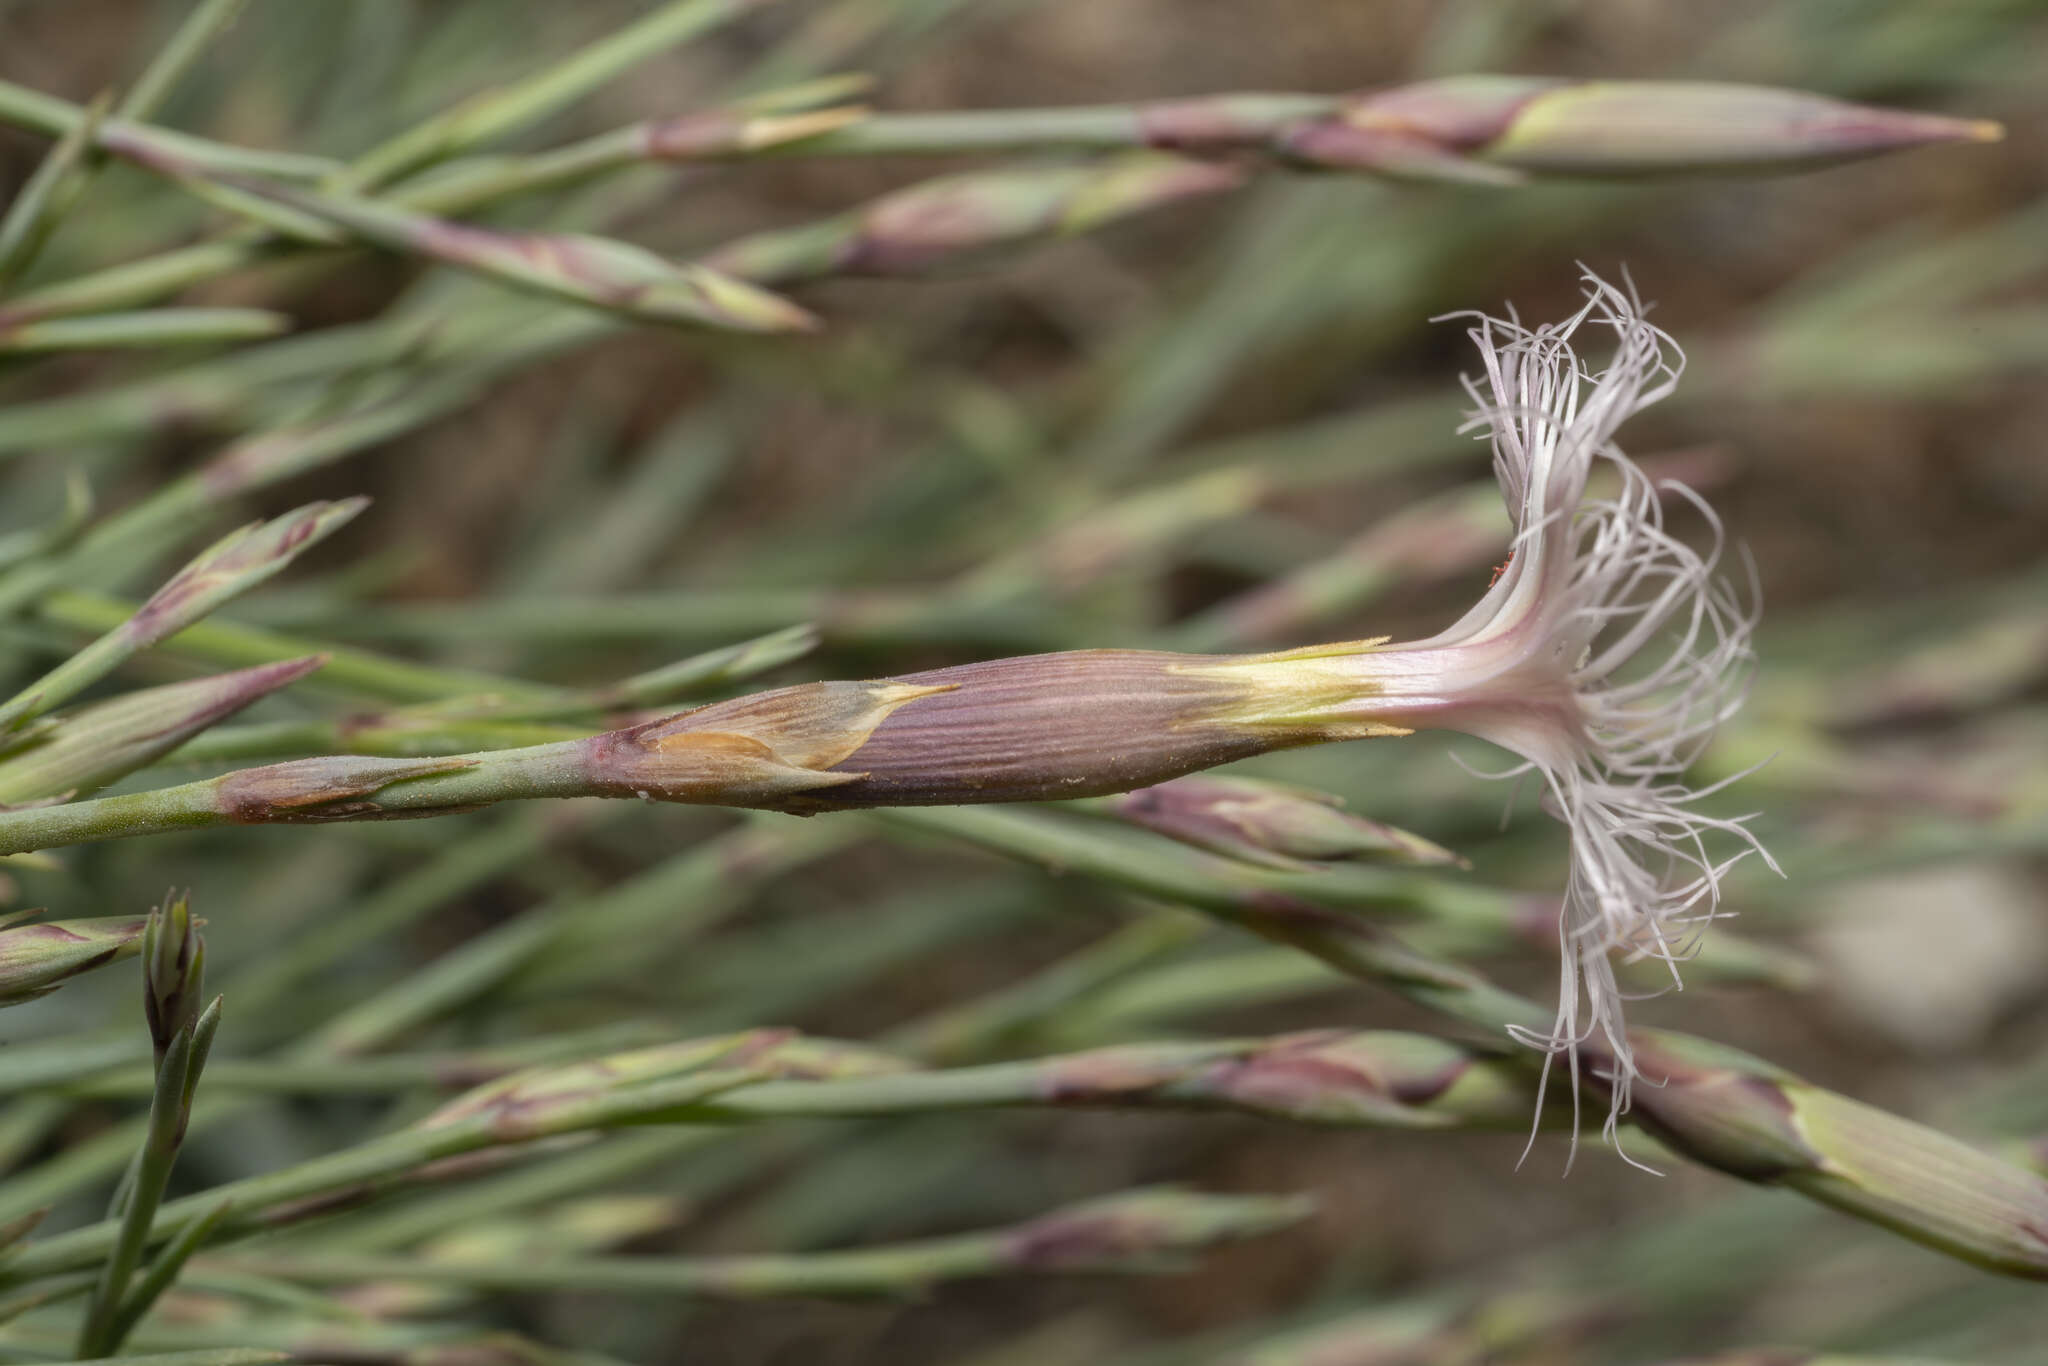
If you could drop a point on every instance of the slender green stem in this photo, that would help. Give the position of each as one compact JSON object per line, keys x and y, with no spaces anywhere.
{"x":206,"y":21}
{"x":382,"y":1161}
{"x":163,"y":1273}
{"x":364,"y":673}
{"x":1138,"y":1232}
{"x":1105,"y":127}
{"x":50,"y":191}
{"x":100,"y":1334}
{"x":46,"y":114}
{"x":150,"y":329}
{"x":495,"y":113}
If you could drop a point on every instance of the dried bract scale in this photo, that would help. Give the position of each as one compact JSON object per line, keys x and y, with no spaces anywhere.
{"x":1381,"y":1077}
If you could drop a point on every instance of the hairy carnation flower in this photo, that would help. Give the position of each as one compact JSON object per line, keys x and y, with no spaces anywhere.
{"x":1604,"y":654}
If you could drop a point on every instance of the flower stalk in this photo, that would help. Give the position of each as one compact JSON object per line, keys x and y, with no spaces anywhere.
{"x":576,"y":1098}
{"x":1135,"y":1233}
{"x":1478,"y":128}
{"x":181,"y":1033}
{"x":1501,"y":130}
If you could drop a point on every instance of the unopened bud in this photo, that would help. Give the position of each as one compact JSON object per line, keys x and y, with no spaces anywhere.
{"x":173,"y":971}
{"x":1750,"y":1120}
{"x":87,"y":749}
{"x":713,"y":134}
{"x":1269,"y":824}
{"x":956,"y":217}
{"x":236,"y":563}
{"x":1491,"y":127}
{"x":1145,"y":1229}
{"x":232,"y":565}
{"x":1032,"y":728}
{"x":599,"y":271}
{"x":521,"y":1102}
{"x":37,"y":959}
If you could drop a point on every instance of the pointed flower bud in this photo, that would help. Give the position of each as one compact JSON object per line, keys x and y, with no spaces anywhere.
{"x":1269,"y":824}
{"x":91,"y":747}
{"x":1145,"y":1228}
{"x":1503,"y":128}
{"x":239,"y":561}
{"x":229,"y":567}
{"x":173,"y":971}
{"x":954,"y":217}
{"x":37,"y":959}
{"x":712,"y":134}
{"x":1730,"y":1111}
{"x":599,"y":271}
{"x":524,"y":1100}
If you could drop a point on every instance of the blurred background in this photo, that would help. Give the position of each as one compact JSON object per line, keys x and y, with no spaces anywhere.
{"x":1225,"y":424}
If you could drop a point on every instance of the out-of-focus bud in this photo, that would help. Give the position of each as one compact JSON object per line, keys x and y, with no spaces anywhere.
{"x":232,"y":565}
{"x":599,"y":271}
{"x":1269,"y":824}
{"x":236,"y":563}
{"x":1140,"y":1230}
{"x":1377,"y":1077}
{"x":956,"y":217}
{"x":713,"y":134}
{"x":1737,"y":1114}
{"x":37,"y":959}
{"x":1542,"y":1326}
{"x":91,"y":747}
{"x":1505,"y":127}
{"x":521,"y":1102}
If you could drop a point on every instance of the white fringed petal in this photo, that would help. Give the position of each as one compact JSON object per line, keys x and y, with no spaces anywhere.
{"x":1605,"y":654}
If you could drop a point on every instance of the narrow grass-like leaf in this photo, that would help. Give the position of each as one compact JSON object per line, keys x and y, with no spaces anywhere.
{"x":146,"y":330}
{"x":231,"y":566}
{"x":49,"y":193}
